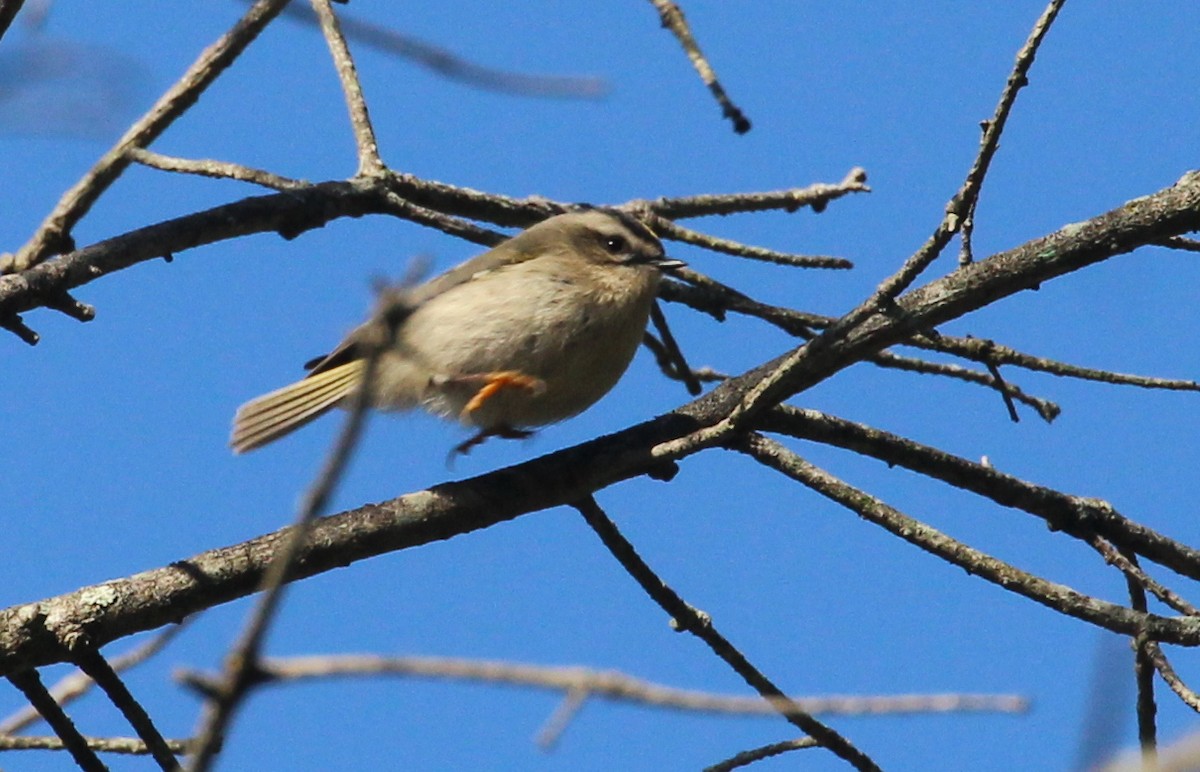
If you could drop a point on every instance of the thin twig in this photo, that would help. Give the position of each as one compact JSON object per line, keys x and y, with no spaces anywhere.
{"x":369,"y":162}
{"x":984,"y":350}
{"x":772,"y":389}
{"x":672,"y":352}
{"x":99,"y":670}
{"x":35,"y":691}
{"x":54,"y":234}
{"x":1181,"y":243}
{"x":1077,"y":516}
{"x":129,"y":746}
{"x":709,"y":296}
{"x":289,"y":213}
{"x":687,"y":618}
{"x":1058,"y":597}
{"x":1134,"y":574}
{"x":1170,"y":677}
{"x":1046,"y":409}
{"x":1143,"y":676}
{"x":668,"y":229}
{"x":568,"y":708}
{"x":816,"y":197}
{"x":962,"y":205}
{"x":673,"y":20}
{"x":746,"y":758}
{"x":219,"y":169}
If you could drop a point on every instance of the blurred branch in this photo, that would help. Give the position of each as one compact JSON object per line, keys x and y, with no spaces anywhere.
{"x":608,"y":684}
{"x":241,"y":670}
{"x":130,"y":746}
{"x":455,"y":67}
{"x":673,"y":20}
{"x":54,"y":234}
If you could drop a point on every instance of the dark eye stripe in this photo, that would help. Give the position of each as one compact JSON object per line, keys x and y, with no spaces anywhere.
{"x":634,"y":225}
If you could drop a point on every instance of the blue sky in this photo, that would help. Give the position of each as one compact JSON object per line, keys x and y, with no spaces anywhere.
{"x":116,"y":430}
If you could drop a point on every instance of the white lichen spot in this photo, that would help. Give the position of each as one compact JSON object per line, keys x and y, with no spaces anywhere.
{"x":102,"y":595}
{"x":1072,"y":229}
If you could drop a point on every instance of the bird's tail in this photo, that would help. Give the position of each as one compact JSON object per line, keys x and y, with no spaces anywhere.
{"x":269,"y":417}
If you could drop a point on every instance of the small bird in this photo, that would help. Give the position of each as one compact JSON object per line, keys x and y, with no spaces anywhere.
{"x":531,"y":332}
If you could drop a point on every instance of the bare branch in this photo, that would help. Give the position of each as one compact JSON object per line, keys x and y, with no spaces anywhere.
{"x":962,"y":205}
{"x":77,"y":684}
{"x":1171,"y":678}
{"x":369,"y":162}
{"x":816,"y":197}
{"x":672,"y":19}
{"x":746,"y":758}
{"x":290,"y":213}
{"x":1058,"y":597}
{"x":218,"y":169}
{"x":1077,"y":516}
{"x":99,"y":670}
{"x":129,"y":746}
{"x":668,"y":229}
{"x":35,"y":691}
{"x":686,"y":618}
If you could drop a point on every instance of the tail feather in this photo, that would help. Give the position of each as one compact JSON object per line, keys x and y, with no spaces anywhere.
{"x":269,"y":417}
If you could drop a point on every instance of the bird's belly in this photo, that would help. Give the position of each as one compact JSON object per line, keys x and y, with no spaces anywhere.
{"x":576,"y":350}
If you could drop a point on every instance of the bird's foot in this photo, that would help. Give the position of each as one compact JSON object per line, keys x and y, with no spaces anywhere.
{"x":504,"y":432}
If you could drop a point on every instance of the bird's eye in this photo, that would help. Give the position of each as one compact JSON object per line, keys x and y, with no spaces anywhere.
{"x":615,"y":244}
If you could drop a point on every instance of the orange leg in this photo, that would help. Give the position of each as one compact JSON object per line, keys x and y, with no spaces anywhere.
{"x":495,"y":382}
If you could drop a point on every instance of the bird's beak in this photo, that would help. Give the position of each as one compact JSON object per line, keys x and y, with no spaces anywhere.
{"x":665,"y":263}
